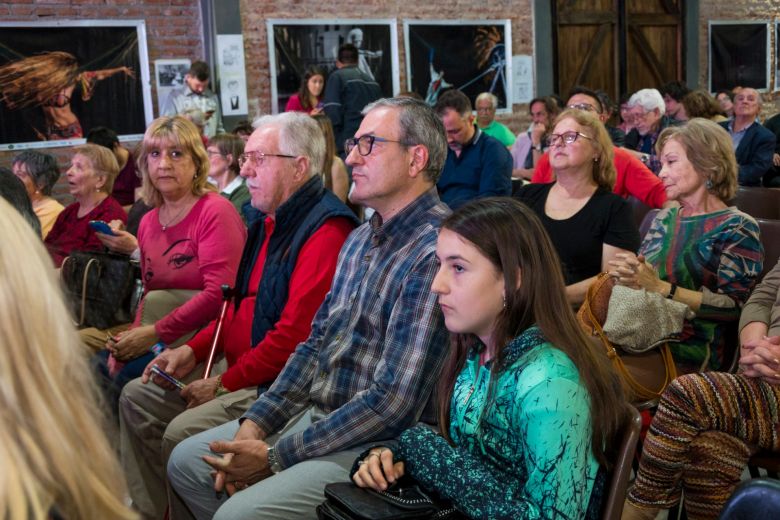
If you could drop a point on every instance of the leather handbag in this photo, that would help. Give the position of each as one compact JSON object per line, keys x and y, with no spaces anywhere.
{"x":645,"y":375}
{"x":102,"y":288}
{"x":402,"y":501}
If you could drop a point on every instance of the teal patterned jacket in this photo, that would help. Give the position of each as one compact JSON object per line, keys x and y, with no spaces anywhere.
{"x":525,"y":452}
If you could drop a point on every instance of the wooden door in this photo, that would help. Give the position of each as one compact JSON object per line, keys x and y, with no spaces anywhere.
{"x":617,"y":46}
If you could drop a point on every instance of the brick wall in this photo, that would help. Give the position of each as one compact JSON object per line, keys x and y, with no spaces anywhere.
{"x":173,"y":30}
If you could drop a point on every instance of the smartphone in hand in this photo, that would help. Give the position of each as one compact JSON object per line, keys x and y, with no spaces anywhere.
{"x":160,"y":372}
{"x":101,"y":227}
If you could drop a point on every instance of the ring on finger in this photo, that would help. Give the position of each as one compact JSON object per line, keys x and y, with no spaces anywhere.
{"x":361,"y":462}
{"x":372,"y":454}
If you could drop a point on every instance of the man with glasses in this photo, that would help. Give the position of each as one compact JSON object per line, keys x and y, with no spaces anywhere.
{"x":368,"y":369}
{"x":486,"y":104}
{"x":633,"y":177}
{"x":477,"y":164}
{"x":649,"y":112}
{"x":285,"y":272}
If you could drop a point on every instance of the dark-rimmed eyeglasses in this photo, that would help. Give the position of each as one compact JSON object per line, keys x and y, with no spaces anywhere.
{"x":365,"y":143}
{"x":258,"y":158}
{"x":566,"y":137}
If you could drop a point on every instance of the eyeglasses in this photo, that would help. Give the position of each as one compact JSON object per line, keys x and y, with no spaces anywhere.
{"x":485,"y":109}
{"x":365,"y":143}
{"x":583,"y":106}
{"x":566,"y":137}
{"x":212,"y":152}
{"x":258,"y":158}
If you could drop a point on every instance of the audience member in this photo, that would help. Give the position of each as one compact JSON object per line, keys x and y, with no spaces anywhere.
{"x":754,"y":145}
{"x":726,"y":100}
{"x":39,"y":173}
{"x":347,"y":92}
{"x":673,"y":93}
{"x":738,"y":412}
{"x":647,"y":110}
{"x":195,"y":93}
{"x":334,"y":171}
{"x":190,"y":244}
{"x":57,"y":462}
{"x":772,"y":177}
{"x":486,"y":105}
{"x":90,"y":179}
{"x":588,"y":224}
{"x":477,"y":164}
{"x":128,"y":180}
{"x":530,"y":145}
{"x":582,"y":98}
{"x":243,"y":129}
{"x":699,"y":103}
{"x":13,"y":190}
{"x":308,"y":99}
{"x":285,"y":273}
{"x":633,"y":178}
{"x":368,"y":369}
{"x":624,"y":112}
{"x":702,"y":253}
{"x":517,"y":354}
{"x":223,"y":151}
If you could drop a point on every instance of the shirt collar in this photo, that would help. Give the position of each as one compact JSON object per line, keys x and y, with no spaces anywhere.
{"x":403,"y":221}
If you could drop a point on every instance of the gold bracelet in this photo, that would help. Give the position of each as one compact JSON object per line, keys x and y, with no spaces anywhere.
{"x":220,"y":390}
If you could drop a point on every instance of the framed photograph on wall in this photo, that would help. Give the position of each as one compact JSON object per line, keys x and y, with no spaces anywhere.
{"x":470,"y":55}
{"x":295,"y":45}
{"x":739,"y":55}
{"x":58,"y":79}
{"x":170,"y":76}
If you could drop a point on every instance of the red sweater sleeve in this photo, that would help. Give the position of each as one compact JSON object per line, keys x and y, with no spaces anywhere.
{"x":543,"y":171}
{"x":294,"y":104}
{"x":634,"y":178}
{"x":220,"y":238}
{"x":309,"y":283}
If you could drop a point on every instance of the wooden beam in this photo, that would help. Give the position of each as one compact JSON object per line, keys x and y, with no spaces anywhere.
{"x":586,"y":17}
{"x":652,"y":19}
{"x":647,"y":52}
{"x":595,"y":44}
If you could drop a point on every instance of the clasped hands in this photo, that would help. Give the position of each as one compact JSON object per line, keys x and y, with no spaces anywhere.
{"x":761,"y":358}
{"x":377,"y":471}
{"x":244,"y":460}
{"x":633,"y":271}
{"x":131,"y":343}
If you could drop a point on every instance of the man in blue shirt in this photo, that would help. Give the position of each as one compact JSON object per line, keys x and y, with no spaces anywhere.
{"x":376,"y":347}
{"x":477,"y":165}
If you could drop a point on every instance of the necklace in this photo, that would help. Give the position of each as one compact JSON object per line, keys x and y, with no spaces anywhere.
{"x":174,"y":219}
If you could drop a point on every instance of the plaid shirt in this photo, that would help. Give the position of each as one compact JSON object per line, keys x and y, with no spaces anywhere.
{"x":376,"y":346}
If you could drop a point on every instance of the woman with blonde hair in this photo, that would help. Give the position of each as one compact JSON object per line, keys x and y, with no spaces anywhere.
{"x":334,"y":172}
{"x":190,"y":244}
{"x":90,"y":178}
{"x":55,"y":457}
{"x":703,"y":252}
{"x":588,"y":223}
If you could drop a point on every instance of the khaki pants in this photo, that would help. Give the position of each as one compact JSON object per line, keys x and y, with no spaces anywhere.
{"x":153,"y":421}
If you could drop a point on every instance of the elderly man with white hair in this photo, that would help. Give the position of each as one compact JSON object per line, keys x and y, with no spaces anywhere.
{"x":486,"y":105}
{"x":753,"y":144}
{"x":647,"y":107}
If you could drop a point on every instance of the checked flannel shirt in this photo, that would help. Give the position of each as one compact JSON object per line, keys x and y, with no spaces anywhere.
{"x":377,"y":343}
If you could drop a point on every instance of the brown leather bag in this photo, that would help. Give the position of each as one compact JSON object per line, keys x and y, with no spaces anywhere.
{"x":645,"y":376}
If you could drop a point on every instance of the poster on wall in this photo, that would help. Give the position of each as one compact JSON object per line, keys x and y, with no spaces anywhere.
{"x":739,"y":55}
{"x":59,"y":79}
{"x":170,"y":76}
{"x":232,"y":78}
{"x":468,"y":55}
{"x":295,"y":45}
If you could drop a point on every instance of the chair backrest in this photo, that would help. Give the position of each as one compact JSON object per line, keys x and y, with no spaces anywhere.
{"x":644,"y":227}
{"x":621,"y":470}
{"x":758,"y":202}
{"x":638,"y":208}
{"x":753,"y":499}
{"x":770,"y":238}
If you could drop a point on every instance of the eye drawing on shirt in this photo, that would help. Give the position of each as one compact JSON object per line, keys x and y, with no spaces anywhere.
{"x":178,"y":260}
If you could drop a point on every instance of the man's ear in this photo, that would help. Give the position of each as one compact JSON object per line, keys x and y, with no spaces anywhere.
{"x":419,"y":160}
{"x":301,"y":167}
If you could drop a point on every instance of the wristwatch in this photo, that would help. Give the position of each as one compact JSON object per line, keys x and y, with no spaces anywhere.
{"x":645,"y":158}
{"x":273,"y":463}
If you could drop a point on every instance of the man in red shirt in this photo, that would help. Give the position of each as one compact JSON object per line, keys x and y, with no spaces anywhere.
{"x":285,"y":272}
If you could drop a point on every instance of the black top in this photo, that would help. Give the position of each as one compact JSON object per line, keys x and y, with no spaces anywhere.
{"x":605,"y":219}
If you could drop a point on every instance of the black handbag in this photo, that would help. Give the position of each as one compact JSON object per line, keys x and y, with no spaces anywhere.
{"x":102,"y":288}
{"x":402,"y":501}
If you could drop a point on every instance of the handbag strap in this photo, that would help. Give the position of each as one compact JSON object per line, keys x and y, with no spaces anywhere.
{"x":84,"y":280}
{"x":639,"y":390}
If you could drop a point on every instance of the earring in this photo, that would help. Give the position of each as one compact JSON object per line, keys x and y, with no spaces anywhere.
{"x":708,"y":184}
{"x":504,"y":297}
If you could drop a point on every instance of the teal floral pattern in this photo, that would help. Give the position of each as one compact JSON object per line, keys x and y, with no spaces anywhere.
{"x":522,"y":439}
